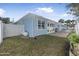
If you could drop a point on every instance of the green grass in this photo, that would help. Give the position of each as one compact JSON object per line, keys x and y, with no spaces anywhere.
{"x":44,"y":45}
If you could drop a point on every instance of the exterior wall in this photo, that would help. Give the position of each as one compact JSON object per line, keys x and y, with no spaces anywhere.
{"x":51,"y":29}
{"x":42,"y":31}
{"x":30,"y":22}
{"x":61,"y":27}
{"x":10,"y":30}
{"x":37,"y":31}
{"x":27,"y":21}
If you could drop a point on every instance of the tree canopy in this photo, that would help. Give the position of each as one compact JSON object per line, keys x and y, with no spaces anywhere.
{"x":74,"y":8}
{"x":5,"y":20}
{"x":61,"y":21}
{"x":69,"y":23}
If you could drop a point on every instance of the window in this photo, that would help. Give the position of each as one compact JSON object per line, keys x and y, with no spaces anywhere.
{"x":48,"y":24}
{"x":41,"y":24}
{"x":52,"y":25}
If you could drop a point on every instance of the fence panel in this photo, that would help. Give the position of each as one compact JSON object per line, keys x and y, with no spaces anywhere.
{"x":77,"y":28}
{"x":12,"y":30}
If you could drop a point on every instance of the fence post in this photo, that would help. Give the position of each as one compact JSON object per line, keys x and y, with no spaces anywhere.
{"x":1,"y":32}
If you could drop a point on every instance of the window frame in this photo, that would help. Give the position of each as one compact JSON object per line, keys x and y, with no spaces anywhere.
{"x":41,"y":24}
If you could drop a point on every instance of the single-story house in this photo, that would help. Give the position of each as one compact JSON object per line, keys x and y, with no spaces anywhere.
{"x":37,"y":25}
{"x":61,"y":27}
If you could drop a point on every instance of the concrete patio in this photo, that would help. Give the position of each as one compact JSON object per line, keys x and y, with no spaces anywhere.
{"x":61,"y":33}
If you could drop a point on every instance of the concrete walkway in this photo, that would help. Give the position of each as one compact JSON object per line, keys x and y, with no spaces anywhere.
{"x":60,"y":34}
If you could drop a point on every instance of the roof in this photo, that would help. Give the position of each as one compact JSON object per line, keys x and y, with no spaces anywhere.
{"x":37,"y":16}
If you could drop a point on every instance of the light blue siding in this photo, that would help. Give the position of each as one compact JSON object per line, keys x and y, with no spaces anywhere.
{"x":35,"y":26}
{"x":30,"y":22}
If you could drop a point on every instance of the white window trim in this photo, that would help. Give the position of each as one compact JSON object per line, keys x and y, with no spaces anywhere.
{"x":41,"y":24}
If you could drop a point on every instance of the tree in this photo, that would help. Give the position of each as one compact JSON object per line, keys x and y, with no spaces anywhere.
{"x":61,"y":21}
{"x":74,"y":8}
{"x":5,"y":20}
{"x":68,"y":22}
{"x":73,"y":22}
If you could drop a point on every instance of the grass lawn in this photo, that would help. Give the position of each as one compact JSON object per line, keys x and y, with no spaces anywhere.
{"x":43,"y":45}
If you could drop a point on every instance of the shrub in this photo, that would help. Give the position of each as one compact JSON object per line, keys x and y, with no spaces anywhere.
{"x":73,"y":38}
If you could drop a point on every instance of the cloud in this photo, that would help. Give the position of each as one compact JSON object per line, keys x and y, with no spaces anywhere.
{"x":2,"y":12}
{"x":64,"y":15}
{"x":46,"y":10}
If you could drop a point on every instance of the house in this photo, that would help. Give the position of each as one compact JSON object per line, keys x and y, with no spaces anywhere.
{"x":61,"y":27}
{"x":37,"y":25}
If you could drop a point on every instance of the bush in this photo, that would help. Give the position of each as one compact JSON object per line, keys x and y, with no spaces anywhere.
{"x":73,"y":38}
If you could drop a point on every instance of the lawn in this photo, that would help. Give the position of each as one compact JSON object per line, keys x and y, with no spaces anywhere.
{"x":44,"y":45}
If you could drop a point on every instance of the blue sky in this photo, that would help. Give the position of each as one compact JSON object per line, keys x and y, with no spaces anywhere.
{"x":53,"y":11}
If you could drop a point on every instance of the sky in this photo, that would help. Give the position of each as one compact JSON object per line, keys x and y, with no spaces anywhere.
{"x":53,"y":11}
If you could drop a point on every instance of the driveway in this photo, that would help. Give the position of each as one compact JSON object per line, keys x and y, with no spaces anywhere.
{"x":60,"y":34}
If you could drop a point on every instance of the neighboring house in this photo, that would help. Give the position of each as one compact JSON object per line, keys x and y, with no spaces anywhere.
{"x":37,"y":25}
{"x":61,"y":27}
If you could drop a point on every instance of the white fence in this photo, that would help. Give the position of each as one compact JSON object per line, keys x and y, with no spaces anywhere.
{"x":1,"y":32}
{"x":9,"y":30}
{"x":12,"y":30}
{"x":77,"y":28}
